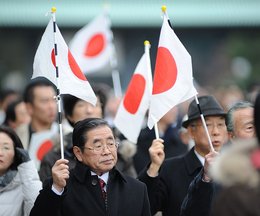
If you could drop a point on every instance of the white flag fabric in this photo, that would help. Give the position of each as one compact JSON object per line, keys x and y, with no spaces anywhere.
{"x":173,"y":80}
{"x":71,"y":79}
{"x":92,"y":45}
{"x":41,"y":143}
{"x":133,"y":107}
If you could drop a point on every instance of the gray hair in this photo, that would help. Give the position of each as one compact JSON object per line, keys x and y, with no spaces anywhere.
{"x":237,"y":106}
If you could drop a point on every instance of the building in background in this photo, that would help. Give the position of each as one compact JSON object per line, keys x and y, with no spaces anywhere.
{"x":223,"y":37}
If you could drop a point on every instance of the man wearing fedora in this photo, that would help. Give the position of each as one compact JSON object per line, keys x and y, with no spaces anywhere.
{"x":168,"y":181}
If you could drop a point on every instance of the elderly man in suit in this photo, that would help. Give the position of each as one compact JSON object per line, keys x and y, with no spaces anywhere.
{"x":168,"y":181}
{"x":94,"y":186}
{"x":240,"y":126}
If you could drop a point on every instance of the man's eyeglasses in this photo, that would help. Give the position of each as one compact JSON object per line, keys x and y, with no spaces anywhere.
{"x":210,"y":125}
{"x":100,"y":147}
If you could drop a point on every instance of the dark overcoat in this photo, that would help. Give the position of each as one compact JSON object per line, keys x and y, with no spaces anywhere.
{"x":82,"y":196}
{"x":167,"y":191}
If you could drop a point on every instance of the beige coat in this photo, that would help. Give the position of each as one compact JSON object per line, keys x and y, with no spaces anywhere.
{"x":17,"y":198}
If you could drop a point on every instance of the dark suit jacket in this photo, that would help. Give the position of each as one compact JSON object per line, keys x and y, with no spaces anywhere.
{"x":198,"y":201}
{"x":167,"y":191}
{"x":82,"y":196}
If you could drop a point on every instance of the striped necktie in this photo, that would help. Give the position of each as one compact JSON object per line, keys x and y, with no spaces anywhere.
{"x":104,"y":193}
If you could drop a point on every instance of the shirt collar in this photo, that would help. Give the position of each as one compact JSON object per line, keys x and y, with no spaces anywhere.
{"x":201,"y":159}
{"x":104,"y":176}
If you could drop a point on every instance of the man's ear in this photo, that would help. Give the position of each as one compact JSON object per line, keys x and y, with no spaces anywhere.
{"x":190,"y":132}
{"x":78,"y":153}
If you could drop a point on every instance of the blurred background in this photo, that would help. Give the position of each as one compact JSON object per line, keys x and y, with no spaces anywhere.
{"x":222,"y":36}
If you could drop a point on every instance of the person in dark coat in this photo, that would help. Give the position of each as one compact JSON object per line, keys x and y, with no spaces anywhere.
{"x":168,"y":181}
{"x":238,"y":172}
{"x":95,"y":186}
{"x":240,"y":125}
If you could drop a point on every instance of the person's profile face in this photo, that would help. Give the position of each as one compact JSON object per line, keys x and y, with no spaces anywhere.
{"x":6,"y":152}
{"x":100,"y":150}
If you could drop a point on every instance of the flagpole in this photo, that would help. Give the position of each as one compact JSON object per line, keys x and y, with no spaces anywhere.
{"x":196,"y":98}
{"x":58,"y":98}
{"x":164,"y":8}
{"x":147,"y":47}
{"x":114,"y":65}
{"x":204,"y":123}
{"x":115,"y":73}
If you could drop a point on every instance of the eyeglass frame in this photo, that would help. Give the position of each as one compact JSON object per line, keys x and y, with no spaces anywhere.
{"x":102,"y":147}
{"x":210,"y":125}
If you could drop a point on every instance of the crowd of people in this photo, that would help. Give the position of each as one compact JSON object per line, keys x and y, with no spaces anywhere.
{"x":192,"y":169}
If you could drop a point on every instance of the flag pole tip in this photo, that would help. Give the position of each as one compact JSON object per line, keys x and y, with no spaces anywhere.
{"x":164,"y":8}
{"x":146,"y":42}
{"x":53,"y":9}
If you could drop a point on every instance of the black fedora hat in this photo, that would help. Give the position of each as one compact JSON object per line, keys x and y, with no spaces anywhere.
{"x":209,"y":107}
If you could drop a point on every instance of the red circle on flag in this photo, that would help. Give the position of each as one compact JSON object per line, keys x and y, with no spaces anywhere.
{"x":165,"y":74}
{"x":95,"y":45}
{"x":53,"y":58}
{"x":72,"y":63}
{"x":134,"y":94}
{"x":75,"y":67}
{"x":44,"y":148}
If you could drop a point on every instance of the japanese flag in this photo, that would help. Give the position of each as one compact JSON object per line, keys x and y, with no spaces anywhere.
{"x":92,"y":45}
{"x":173,"y":80}
{"x":41,"y":144}
{"x":71,"y":79}
{"x":133,"y":108}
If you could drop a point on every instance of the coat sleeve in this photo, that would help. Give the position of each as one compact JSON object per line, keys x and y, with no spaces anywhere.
{"x":31,"y":184}
{"x":157,"y":191}
{"x":198,"y":201}
{"x":47,"y":202}
{"x":146,"y":206}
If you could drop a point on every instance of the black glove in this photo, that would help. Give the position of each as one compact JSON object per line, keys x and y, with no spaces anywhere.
{"x":21,"y":156}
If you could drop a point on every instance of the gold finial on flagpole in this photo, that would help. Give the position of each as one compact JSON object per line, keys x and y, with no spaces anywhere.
{"x":146,"y":42}
{"x":164,"y":8}
{"x":53,"y":9}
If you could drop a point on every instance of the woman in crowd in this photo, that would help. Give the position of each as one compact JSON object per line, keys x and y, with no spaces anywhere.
{"x":19,"y":180}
